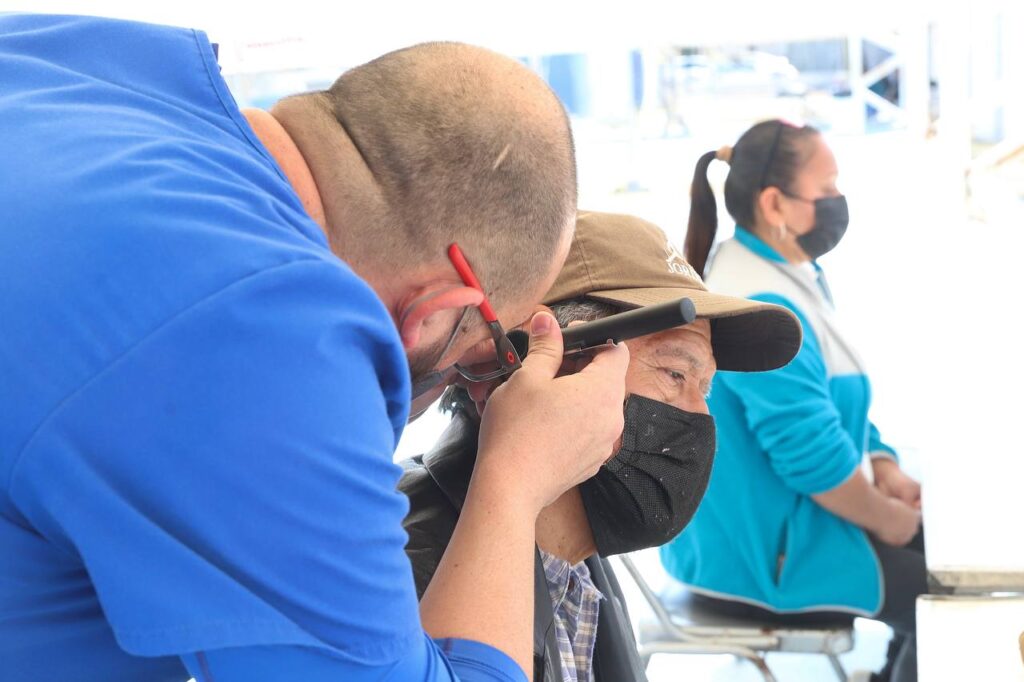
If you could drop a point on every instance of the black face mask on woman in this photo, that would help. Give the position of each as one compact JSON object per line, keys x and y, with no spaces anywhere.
{"x":647,"y":493}
{"x":831,"y":218}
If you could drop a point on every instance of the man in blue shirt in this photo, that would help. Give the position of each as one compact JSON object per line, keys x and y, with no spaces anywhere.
{"x":200,"y":398}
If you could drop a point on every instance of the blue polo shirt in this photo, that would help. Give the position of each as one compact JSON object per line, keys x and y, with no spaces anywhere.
{"x":198,"y":401}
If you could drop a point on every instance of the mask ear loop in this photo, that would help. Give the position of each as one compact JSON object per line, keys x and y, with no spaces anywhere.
{"x":767,"y":168}
{"x":771,"y":155}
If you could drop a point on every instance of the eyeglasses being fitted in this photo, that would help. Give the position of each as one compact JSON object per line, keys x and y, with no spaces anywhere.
{"x":586,"y":338}
{"x":507,"y":357}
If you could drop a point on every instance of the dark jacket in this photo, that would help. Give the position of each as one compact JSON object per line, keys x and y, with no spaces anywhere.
{"x":436,"y":484}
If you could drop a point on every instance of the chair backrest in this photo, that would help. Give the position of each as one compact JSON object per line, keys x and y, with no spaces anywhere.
{"x":688,"y":629}
{"x":754,"y":639}
{"x":684,"y":620}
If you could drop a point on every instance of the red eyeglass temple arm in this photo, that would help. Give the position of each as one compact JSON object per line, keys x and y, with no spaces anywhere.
{"x":466,"y":273}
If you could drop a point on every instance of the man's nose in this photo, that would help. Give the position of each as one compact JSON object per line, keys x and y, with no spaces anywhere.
{"x":695,"y":401}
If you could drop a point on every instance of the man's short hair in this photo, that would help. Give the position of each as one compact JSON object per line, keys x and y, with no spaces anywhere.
{"x":460,"y":157}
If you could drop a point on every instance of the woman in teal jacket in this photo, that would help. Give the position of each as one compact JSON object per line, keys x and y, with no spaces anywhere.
{"x":792,"y":529}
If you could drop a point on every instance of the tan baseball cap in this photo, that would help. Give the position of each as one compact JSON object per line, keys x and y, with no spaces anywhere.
{"x":624,"y":260}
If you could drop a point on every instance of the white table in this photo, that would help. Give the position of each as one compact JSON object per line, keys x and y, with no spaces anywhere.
{"x":969,"y":638}
{"x":973,"y":507}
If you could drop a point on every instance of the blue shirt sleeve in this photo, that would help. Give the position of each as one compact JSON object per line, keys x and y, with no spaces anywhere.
{"x":447,"y":660}
{"x":876,"y":447}
{"x":228,"y":480}
{"x":791,"y":413}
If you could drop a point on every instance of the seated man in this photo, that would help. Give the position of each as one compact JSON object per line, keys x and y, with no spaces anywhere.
{"x":646,"y":493}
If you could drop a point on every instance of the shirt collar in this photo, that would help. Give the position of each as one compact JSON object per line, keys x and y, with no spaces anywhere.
{"x":754,"y":243}
{"x":811,"y":270}
{"x":558,"y":572}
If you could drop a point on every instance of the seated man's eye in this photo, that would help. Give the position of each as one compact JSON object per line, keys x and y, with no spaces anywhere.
{"x":678,"y":377}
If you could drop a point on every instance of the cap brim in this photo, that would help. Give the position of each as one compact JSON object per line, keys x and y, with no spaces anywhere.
{"x":746,"y":336}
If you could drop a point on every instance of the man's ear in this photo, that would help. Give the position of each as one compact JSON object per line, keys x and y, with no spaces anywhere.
{"x":420,"y":316}
{"x":769,"y":202}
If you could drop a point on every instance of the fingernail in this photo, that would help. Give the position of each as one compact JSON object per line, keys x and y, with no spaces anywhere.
{"x":541,"y":324}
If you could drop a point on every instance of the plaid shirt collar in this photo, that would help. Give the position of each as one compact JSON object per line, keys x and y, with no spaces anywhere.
{"x":575,"y":601}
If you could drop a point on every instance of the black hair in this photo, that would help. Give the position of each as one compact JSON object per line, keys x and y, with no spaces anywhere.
{"x":769,"y":154}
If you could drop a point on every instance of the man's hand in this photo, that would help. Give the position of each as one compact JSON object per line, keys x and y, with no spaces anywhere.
{"x":541,"y":435}
{"x":892,"y":482}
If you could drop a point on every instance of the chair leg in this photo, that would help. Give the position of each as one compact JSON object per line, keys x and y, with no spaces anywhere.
{"x":837,"y":666}
{"x":761,"y":665}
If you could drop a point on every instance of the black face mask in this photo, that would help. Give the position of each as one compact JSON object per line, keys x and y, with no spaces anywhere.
{"x":831,"y":217}
{"x":646,"y":494}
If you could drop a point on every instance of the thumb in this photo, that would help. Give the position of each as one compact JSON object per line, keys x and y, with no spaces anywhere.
{"x":545,"y":354}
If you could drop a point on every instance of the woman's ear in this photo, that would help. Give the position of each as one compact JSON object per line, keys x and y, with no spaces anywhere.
{"x":769,"y":205}
{"x":419,"y":321}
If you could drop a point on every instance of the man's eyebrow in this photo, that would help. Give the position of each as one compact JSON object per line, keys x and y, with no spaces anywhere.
{"x":674,"y":351}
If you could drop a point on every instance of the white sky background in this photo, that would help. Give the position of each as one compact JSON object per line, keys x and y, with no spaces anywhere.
{"x":360,"y":31}
{"x":931,"y":296}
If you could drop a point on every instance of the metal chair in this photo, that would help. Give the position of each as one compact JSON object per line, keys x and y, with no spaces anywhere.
{"x":681,"y":626}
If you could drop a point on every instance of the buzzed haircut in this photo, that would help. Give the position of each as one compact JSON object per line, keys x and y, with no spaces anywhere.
{"x":460,"y":155}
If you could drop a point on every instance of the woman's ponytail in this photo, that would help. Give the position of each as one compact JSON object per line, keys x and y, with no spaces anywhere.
{"x":703,"y":222}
